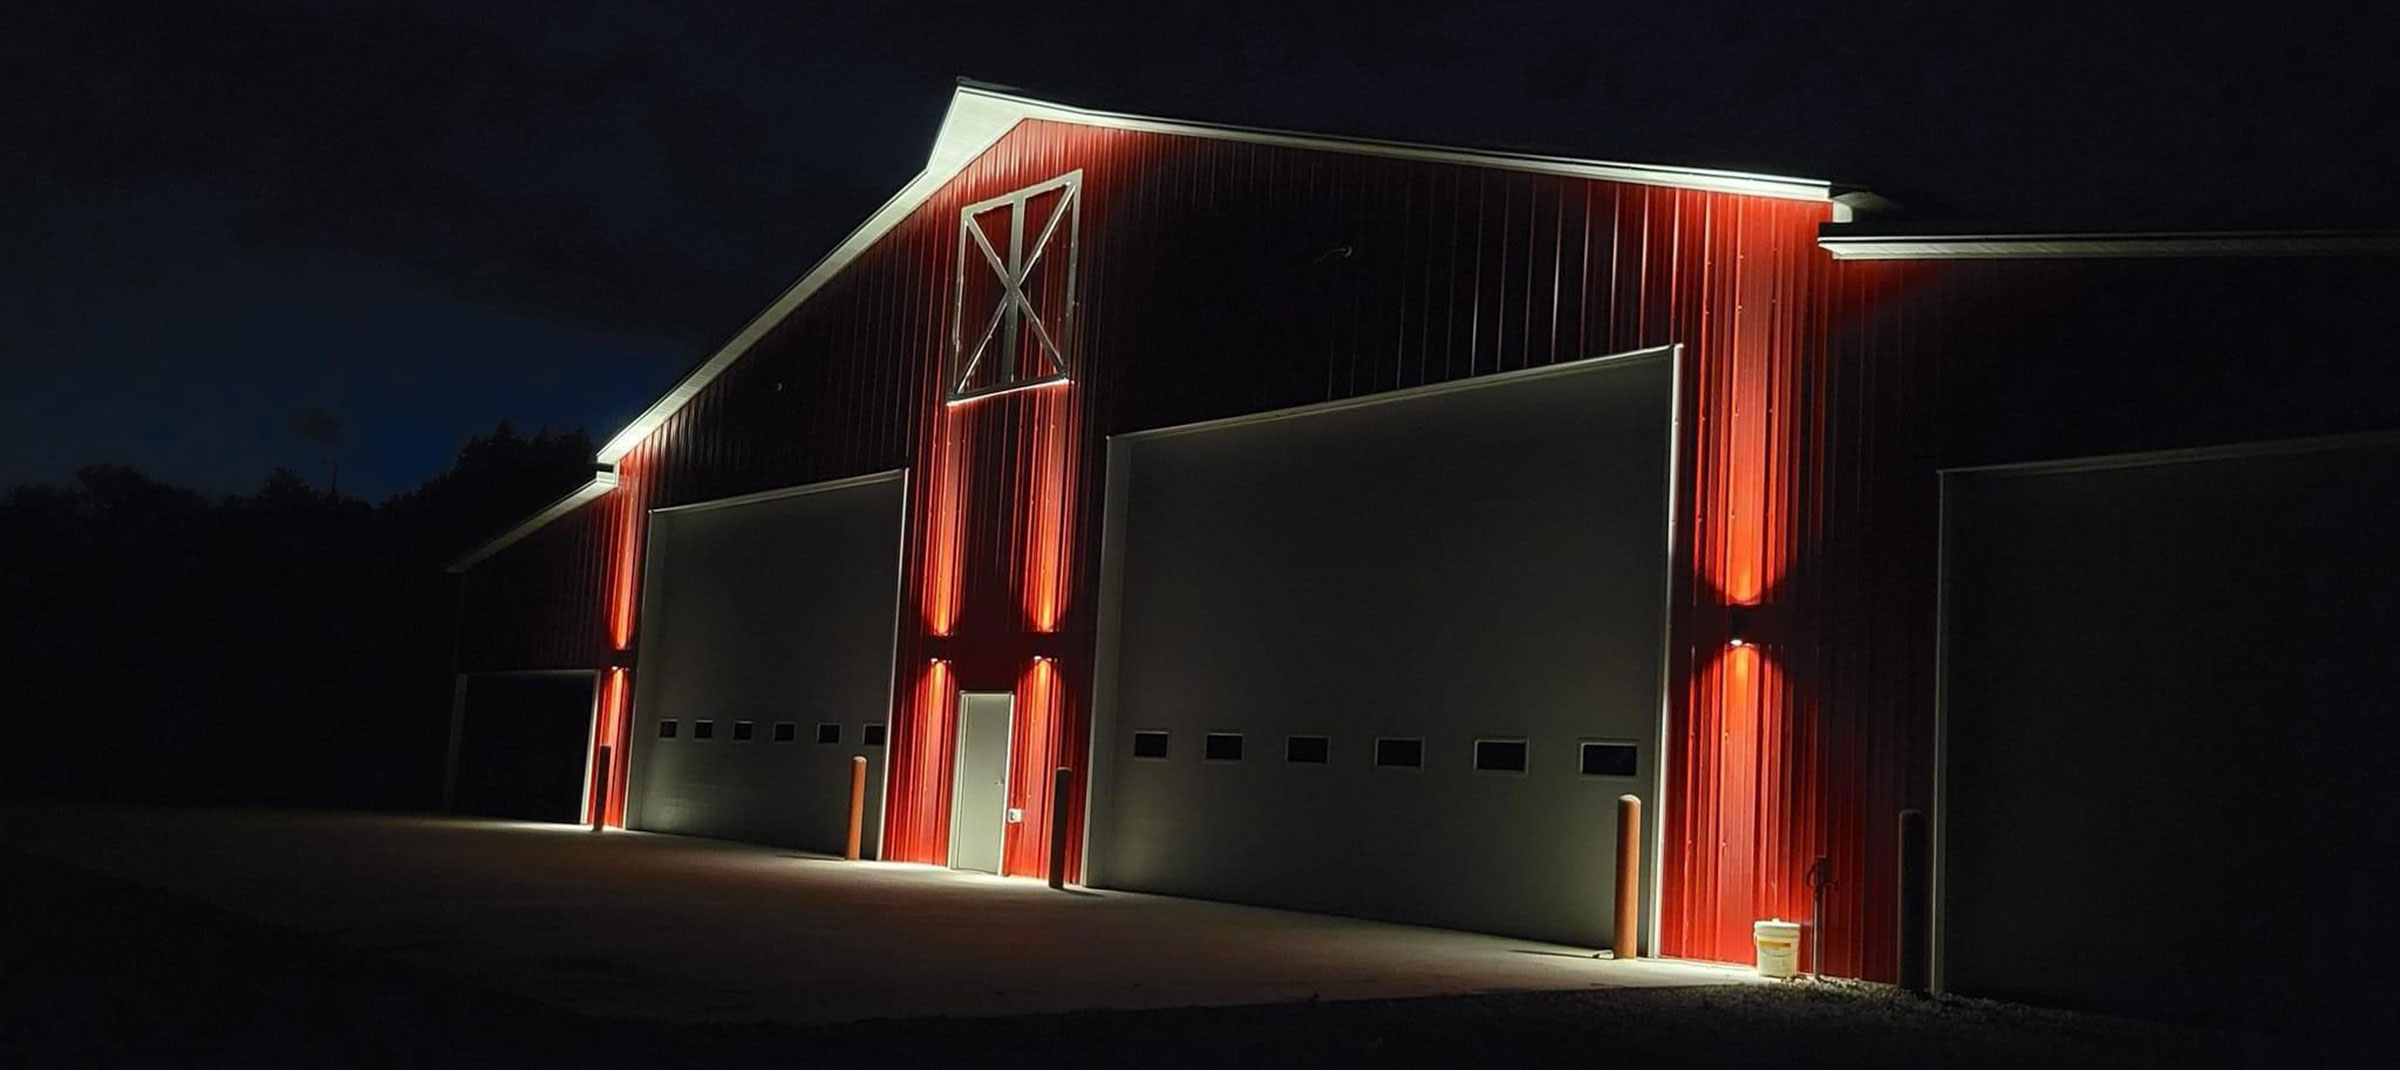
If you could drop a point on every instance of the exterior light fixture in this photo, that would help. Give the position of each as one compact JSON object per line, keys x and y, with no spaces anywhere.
{"x":1737,"y":626}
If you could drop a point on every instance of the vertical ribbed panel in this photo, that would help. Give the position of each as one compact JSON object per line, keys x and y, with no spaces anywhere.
{"x":1741,"y":273}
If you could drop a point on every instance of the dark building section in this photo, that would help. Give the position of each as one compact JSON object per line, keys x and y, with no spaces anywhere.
{"x":1475,"y":571}
{"x":534,"y":603}
{"x":521,"y":745}
{"x":2165,"y":734}
{"x":2046,"y":358}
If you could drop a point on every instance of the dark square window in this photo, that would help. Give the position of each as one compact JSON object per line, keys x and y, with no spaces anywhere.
{"x":1611,"y":759}
{"x":742,"y":730}
{"x":1306,"y":750}
{"x":787,"y":732}
{"x":1223,"y":747}
{"x":830,"y":732}
{"x":870,"y":735}
{"x":666,"y":729}
{"x":1149,"y":744}
{"x":704,"y":729}
{"x":1400,"y":753}
{"x":1500,"y":755}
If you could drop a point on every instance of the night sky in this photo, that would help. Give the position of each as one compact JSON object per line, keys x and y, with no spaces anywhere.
{"x":237,"y":236}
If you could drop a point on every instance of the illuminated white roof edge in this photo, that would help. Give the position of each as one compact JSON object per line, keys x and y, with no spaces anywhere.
{"x":2098,"y":246}
{"x":979,"y":117}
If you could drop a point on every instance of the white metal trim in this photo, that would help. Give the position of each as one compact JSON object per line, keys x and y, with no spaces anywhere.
{"x":1656,"y":926}
{"x":843,"y":483}
{"x":2070,"y":246}
{"x":1694,"y":178}
{"x":1412,"y":393}
{"x":2150,"y":458}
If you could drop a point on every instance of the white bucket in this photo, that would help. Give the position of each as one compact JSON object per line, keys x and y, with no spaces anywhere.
{"x":1778,"y":944}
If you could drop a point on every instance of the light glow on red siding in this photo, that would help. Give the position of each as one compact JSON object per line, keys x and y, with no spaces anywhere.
{"x":1047,"y":479}
{"x":1026,"y":847}
{"x":943,"y":537}
{"x":918,"y":786}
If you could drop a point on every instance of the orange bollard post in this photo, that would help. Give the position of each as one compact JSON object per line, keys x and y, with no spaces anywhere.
{"x":858,"y":804}
{"x":1629,"y":877}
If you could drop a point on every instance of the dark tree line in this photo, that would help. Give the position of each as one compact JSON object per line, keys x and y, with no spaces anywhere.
{"x":288,"y":646}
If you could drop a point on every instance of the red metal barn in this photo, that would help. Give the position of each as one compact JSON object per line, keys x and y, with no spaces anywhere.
{"x":1216,"y":308}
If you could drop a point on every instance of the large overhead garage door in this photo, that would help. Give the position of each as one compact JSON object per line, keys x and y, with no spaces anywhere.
{"x":766,"y":664}
{"x":1394,"y":658}
{"x":2167,"y":733}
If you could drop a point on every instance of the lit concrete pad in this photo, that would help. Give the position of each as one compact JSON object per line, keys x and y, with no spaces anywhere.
{"x":686,"y":929}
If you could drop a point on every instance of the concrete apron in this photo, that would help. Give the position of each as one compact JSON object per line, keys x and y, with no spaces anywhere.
{"x":680,"y":929}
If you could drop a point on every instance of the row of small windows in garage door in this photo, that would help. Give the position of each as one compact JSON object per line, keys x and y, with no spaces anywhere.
{"x":1594,"y":757}
{"x":869,"y":735}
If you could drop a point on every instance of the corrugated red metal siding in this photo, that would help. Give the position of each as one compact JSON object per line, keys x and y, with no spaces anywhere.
{"x":1810,"y":740}
{"x":1221,"y":278}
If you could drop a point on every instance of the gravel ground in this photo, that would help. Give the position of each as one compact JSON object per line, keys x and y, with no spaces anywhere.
{"x":99,"y":972}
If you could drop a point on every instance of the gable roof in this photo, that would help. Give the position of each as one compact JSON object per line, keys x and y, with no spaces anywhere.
{"x":980,"y":115}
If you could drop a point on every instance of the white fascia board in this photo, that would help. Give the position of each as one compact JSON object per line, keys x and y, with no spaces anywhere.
{"x":601,"y":483}
{"x":2064,"y":246}
{"x":1714,"y":181}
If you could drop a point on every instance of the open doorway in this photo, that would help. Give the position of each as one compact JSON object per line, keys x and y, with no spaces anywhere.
{"x":519,"y":745}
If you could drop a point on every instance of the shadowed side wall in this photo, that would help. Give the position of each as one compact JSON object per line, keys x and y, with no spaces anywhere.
{"x":2164,"y":737}
{"x":537,"y":604}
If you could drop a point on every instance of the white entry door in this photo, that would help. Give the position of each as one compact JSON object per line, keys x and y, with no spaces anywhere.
{"x":979,"y":784}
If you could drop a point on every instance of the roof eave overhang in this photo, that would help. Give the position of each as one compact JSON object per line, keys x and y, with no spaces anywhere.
{"x":1843,"y":243}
